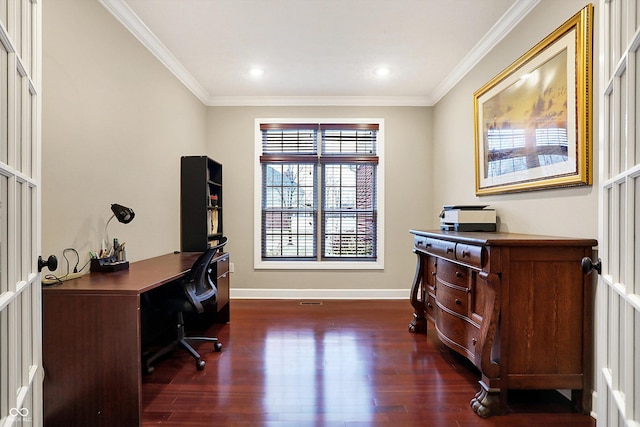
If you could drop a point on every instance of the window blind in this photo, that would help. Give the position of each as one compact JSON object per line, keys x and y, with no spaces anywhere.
{"x":339,"y":176}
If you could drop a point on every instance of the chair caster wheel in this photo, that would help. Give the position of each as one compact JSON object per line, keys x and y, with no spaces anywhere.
{"x":217,"y":347}
{"x":200,"y":364}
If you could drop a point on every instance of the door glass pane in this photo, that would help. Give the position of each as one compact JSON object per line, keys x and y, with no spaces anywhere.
{"x":635,"y":398}
{"x":624,"y":24}
{"x":614,"y":338}
{"x":622,"y":123}
{"x":622,"y":234}
{"x":27,"y":332}
{"x":4,"y":104}
{"x":610,"y":132}
{"x":4,"y":362}
{"x":634,"y":286}
{"x":610,"y":35}
{"x":607,"y":231}
{"x":29,"y":142}
{"x":3,"y":17}
{"x":29,"y":7}
{"x":19,"y":230}
{"x":637,"y":16}
{"x":615,"y":33}
{"x":637,"y":106}
{"x":19,"y":122}
{"x":29,"y":231}
{"x":16,"y":33}
{"x":4,"y":285}
{"x":18,"y":305}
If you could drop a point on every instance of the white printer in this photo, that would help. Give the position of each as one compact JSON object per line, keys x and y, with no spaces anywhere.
{"x":467,"y":218}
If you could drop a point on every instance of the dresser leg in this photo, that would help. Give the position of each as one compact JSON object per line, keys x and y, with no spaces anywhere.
{"x":419,"y":322}
{"x":486,"y":402}
{"x":418,"y":325}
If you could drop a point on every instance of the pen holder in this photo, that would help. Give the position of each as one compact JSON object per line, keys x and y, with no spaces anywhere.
{"x":108,"y":265}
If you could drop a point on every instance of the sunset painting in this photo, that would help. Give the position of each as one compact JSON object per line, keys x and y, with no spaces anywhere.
{"x":526,"y":124}
{"x":532,"y":121}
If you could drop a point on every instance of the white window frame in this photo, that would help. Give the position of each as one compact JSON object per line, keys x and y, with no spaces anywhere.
{"x":258,"y":262}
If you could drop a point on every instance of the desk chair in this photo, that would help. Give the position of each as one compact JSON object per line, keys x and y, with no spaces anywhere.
{"x":195,"y":293}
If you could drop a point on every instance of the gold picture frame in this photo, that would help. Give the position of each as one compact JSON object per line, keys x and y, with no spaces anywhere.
{"x":533,"y":120}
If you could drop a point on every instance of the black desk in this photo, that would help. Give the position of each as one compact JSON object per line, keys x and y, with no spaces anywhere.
{"x":92,"y":340}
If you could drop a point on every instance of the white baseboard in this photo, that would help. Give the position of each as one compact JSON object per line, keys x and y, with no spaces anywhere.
{"x":321,"y":294}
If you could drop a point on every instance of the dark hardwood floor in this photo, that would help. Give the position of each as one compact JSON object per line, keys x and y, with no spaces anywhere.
{"x":341,"y":363}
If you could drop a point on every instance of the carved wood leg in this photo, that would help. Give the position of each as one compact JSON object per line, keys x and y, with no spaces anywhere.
{"x":486,"y":402}
{"x":419,"y":322}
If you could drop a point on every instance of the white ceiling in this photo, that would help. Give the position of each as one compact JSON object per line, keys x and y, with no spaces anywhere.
{"x":319,"y":52}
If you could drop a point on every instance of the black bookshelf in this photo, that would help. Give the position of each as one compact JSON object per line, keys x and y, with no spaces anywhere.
{"x":200,"y":203}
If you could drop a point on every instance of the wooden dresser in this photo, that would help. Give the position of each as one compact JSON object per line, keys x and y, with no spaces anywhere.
{"x":517,"y":306}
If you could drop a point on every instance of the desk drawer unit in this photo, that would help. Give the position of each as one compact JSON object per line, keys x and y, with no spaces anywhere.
{"x":222,"y":280}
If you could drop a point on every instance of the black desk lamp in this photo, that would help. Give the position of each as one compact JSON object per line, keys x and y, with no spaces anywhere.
{"x":124,"y":214}
{"x":113,"y":259}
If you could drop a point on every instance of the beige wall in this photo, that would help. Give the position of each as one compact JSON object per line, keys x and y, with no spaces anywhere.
{"x":563,"y":212}
{"x":115,"y":122}
{"x":407,"y":188}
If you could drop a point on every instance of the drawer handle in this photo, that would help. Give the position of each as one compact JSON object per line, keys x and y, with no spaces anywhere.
{"x":458,"y":274}
{"x":433,"y":273}
{"x":458,"y":302}
{"x":428,"y":245}
{"x":429,"y":305}
{"x":474,"y":341}
{"x":466,"y":254}
{"x":449,"y":250}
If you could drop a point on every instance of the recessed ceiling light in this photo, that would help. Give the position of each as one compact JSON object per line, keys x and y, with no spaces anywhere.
{"x":382,"y":71}
{"x":256,"y":72}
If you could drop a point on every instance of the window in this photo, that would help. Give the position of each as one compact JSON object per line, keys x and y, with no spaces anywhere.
{"x":320,"y":189}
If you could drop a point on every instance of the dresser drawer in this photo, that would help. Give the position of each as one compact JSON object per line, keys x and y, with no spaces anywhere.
{"x":453,"y":298}
{"x":452,"y":273}
{"x":420,"y":243}
{"x":469,"y":254}
{"x":442,"y":248}
{"x":430,"y":307}
{"x":461,"y":335}
{"x":430,"y":277}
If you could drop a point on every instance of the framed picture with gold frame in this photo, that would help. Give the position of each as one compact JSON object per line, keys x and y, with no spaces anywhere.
{"x":533,"y":120}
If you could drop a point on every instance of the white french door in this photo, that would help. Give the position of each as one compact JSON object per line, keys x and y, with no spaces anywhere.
{"x":20,"y":296}
{"x":618,"y":294}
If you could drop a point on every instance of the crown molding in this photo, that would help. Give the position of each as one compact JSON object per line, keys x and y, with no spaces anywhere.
{"x":508,"y":22}
{"x":277,"y":101}
{"x":132,"y":22}
{"x":123,"y":13}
